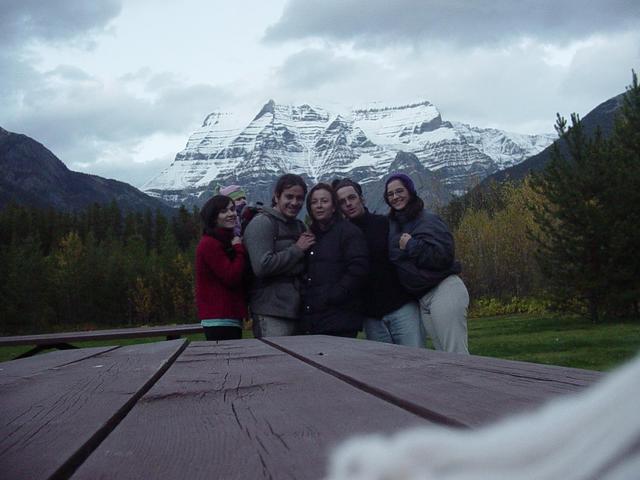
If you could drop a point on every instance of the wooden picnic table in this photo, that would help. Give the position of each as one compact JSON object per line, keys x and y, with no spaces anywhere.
{"x":64,"y":340}
{"x":244,"y":409}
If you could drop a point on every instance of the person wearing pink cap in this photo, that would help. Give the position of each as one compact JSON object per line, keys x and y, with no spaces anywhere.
{"x":239,"y":197}
{"x":423,"y":251}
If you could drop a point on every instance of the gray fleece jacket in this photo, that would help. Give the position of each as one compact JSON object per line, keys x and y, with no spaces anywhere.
{"x":277,"y":264}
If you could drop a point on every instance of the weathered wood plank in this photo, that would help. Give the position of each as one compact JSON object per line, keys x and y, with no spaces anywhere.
{"x":17,"y":369}
{"x":67,"y":337}
{"x":239,"y":410}
{"x":449,"y":388}
{"x":51,"y":422}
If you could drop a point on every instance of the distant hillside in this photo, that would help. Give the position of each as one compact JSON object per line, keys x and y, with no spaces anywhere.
{"x":32,"y":175}
{"x":602,"y":116}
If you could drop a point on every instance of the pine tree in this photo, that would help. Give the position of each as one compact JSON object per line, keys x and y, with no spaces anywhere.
{"x":185,"y":228}
{"x":161,"y":228}
{"x":572,"y":245}
{"x":625,"y":201}
{"x":113,"y":216}
{"x":147,"y":229}
{"x":589,"y":224}
{"x":25,"y":288}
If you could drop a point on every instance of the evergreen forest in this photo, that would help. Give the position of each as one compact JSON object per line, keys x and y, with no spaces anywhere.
{"x":95,"y":269}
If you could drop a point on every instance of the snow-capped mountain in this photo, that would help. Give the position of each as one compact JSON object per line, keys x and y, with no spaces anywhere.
{"x":321,"y":145}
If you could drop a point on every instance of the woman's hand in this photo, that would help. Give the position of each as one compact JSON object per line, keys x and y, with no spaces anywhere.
{"x":236,"y":240}
{"x":404,"y":239}
{"x":306,"y":241}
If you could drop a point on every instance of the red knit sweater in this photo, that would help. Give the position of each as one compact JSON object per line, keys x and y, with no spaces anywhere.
{"x":219,"y":288}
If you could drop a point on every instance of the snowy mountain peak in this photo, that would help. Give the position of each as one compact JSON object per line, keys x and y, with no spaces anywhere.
{"x":383,"y":107}
{"x":269,"y":107}
{"x":321,"y":144}
{"x":214,"y":118}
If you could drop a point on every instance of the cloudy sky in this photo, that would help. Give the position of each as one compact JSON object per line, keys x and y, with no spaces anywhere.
{"x":115,"y":87}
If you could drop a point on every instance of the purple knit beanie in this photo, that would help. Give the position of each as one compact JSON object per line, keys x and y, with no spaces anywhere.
{"x":406,"y":181}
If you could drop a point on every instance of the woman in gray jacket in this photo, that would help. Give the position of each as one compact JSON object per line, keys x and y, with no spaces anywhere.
{"x":276,"y":242}
{"x":422,"y":248}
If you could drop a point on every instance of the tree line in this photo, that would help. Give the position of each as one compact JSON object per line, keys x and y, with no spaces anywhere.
{"x":96,"y":268}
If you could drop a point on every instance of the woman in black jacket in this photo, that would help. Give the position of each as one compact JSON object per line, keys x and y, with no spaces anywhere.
{"x":337,"y":269}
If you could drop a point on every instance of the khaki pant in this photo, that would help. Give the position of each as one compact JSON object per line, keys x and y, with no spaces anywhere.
{"x":266,"y":326}
{"x":443,"y":311}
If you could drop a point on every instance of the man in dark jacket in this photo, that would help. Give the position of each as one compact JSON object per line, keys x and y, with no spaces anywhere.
{"x":392,"y":314}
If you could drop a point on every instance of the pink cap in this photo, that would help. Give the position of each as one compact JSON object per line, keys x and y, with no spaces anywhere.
{"x":233,"y":191}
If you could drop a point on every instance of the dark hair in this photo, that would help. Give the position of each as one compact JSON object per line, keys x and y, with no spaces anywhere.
{"x":287,"y":180}
{"x":415,"y":205}
{"x":334,"y":199}
{"x":211,"y":210}
{"x":337,"y":184}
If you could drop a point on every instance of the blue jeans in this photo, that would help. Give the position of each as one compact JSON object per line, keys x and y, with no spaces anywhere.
{"x":401,"y":327}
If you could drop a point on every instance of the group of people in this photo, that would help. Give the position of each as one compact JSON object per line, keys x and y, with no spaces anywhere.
{"x":395,"y":275}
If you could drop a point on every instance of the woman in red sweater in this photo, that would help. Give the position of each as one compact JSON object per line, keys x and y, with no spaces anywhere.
{"x":220,"y":262}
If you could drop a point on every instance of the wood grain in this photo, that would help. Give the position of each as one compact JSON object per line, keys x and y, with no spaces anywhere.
{"x":15,"y":370}
{"x":239,"y":410}
{"x":447,"y":388}
{"x":51,"y":421}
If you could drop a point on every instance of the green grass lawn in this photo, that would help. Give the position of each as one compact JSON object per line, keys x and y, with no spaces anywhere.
{"x":555,"y":340}
{"x":567,"y":341}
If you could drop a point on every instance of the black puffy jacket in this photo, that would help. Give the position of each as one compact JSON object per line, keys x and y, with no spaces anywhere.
{"x":337,"y":269}
{"x":384,"y":293}
{"x":429,"y":256}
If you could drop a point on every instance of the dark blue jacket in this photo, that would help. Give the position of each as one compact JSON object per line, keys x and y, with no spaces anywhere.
{"x":429,"y":256}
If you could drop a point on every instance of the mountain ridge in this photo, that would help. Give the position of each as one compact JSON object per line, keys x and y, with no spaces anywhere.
{"x":602,"y":116}
{"x":34,"y":176}
{"x":321,"y":145}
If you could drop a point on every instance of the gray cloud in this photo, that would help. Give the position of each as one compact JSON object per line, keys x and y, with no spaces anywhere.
{"x":312,"y":68}
{"x":374,"y":23}
{"x":164,"y":80}
{"x":613,"y":60}
{"x":81,"y":121}
{"x":142,"y":74}
{"x":516,"y":88}
{"x":17,"y":76}
{"x":70,"y":73}
{"x":134,"y":173}
{"x":92,"y":114}
{"x":466,"y":57}
{"x":60,"y":20}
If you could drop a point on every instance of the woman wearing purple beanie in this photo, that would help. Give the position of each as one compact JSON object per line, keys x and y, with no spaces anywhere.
{"x":423,"y":251}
